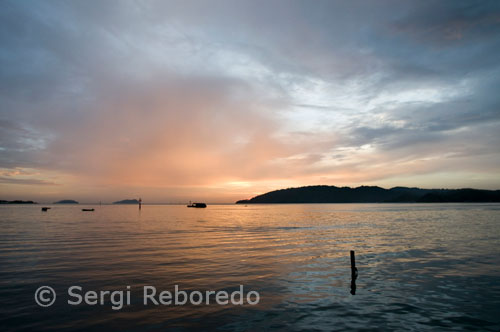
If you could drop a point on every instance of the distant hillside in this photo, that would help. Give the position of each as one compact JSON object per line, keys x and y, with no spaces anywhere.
{"x":373,"y":194}
{"x":16,"y":202}
{"x":66,"y":201}
{"x":127,"y":201}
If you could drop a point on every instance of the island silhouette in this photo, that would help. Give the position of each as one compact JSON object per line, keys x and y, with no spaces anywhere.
{"x":2,"y":201}
{"x":372,"y":194}
{"x":66,"y":201}
{"x":127,"y":201}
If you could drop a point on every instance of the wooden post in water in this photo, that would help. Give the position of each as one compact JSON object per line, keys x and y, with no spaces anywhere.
{"x":353,"y":260}
{"x":354,"y":273}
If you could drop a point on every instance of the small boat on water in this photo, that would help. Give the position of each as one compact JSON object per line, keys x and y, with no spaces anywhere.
{"x":197,"y":205}
{"x":45,"y":209}
{"x":88,"y":210}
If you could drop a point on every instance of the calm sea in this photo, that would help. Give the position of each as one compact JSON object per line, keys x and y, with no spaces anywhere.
{"x":421,"y":266}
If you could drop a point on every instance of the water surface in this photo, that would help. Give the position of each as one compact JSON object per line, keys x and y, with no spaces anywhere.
{"x":421,"y":266}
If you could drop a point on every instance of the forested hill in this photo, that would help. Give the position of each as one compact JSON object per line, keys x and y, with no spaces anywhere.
{"x":373,"y":194}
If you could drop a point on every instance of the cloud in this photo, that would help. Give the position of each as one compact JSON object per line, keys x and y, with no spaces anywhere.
{"x":37,"y":182}
{"x":452,"y":22}
{"x":167,"y":95}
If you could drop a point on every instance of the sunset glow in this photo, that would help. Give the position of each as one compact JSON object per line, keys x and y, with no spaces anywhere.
{"x":220,"y":101}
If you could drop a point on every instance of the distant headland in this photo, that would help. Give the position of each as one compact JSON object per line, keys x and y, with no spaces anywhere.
{"x":373,"y":194}
{"x":16,"y":202}
{"x":66,"y":201}
{"x":127,"y":201}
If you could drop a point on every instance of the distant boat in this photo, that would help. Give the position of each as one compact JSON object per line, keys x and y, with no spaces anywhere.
{"x":45,"y":209}
{"x":197,"y":205}
{"x":88,"y":210}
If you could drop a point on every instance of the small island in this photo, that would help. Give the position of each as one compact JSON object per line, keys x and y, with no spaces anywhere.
{"x":16,"y":202}
{"x":66,"y":201}
{"x":127,"y":201}
{"x":373,"y":194}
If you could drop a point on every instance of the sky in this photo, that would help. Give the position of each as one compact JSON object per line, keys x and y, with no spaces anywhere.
{"x":223,"y":100}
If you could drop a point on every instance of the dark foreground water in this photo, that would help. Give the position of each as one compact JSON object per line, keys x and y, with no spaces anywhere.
{"x":421,"y":267}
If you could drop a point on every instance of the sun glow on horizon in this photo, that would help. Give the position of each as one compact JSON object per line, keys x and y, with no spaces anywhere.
{"x":162,"y":102}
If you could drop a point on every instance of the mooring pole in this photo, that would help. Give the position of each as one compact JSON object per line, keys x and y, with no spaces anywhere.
{"x":354,"y":273}
{"x":353,"y":260}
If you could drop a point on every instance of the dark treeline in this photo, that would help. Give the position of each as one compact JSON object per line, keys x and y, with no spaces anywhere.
{"x":373,"y":194}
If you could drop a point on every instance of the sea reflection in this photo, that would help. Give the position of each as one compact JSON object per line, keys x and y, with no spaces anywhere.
{"x":421,"y":266}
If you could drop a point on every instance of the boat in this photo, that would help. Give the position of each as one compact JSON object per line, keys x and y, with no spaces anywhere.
{"x":88,"y":210}
{"x":45,"y":209}
{"x":197,"y":205}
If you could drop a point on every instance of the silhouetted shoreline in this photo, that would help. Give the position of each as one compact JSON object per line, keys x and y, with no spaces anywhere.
{"x":66,"y":201}
{"x":127,"y":201}
{"x":17,"y":202}
{"x":373,"y":194}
